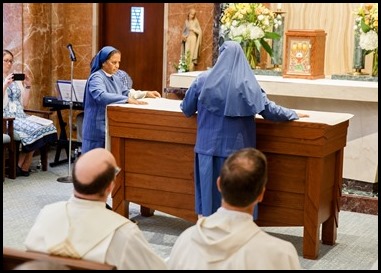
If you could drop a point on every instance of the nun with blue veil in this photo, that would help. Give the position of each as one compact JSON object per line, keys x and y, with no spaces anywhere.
{"x":226,"y":99}
{"x":103,"y":87}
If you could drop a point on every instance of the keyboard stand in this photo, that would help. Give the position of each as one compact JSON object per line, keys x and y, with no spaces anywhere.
{"x":63,"y":142}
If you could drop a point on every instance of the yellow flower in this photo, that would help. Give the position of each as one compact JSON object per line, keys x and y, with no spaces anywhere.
{"x":366,"y":26}
{"x":251,"y":23}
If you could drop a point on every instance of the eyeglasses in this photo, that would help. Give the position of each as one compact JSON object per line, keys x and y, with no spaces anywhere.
{"x":8,"y":61}
{"x":117,"y":170}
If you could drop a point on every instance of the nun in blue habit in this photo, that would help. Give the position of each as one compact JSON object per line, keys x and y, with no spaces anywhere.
{"x":102,"y":88}
{"x":226,"y":99}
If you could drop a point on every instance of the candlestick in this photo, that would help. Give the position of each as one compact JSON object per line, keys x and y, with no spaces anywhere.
{"x":279,"y":7}
{"x":358,"y":54}
{"x":277,"y":45}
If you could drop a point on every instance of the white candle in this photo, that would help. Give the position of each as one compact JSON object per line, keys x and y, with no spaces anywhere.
{"x":279,"y":6}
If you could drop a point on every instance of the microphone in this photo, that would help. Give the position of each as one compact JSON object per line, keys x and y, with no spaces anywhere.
{"x":71,"y":51}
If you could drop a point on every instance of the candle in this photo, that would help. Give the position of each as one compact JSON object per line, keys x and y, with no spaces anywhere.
{"x":279,"y":6}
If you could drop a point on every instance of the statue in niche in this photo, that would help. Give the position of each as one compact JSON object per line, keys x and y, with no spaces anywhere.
{"x":191,"y":40}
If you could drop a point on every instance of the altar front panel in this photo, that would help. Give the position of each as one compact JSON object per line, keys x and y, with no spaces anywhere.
{"x":155,"y":148}
{"x":359,"y":98}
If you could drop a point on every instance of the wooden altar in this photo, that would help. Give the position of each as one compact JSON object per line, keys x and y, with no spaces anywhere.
{"x":153,"y":144}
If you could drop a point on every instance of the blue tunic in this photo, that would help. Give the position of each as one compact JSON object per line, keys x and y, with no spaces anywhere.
{"x":226,"y":99}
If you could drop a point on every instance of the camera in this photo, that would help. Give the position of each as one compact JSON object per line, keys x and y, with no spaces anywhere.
{"x":18,"y":76}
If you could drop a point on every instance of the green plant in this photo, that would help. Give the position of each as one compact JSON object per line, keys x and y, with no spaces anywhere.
{"x":183,"y":65}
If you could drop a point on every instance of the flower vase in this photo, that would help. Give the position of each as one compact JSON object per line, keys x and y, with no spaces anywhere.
{"x":252,"y":54}
{"x":375,"y":64}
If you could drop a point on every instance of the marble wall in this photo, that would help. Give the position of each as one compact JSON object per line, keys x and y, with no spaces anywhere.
{"x":38,"y":35}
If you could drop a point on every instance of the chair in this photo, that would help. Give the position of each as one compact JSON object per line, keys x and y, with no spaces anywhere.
{"x":43,"y":150}
{"x":15,"y":257}
{"x":10,"y":147}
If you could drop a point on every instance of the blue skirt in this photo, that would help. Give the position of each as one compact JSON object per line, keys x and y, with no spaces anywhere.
{"x":207,"y":196}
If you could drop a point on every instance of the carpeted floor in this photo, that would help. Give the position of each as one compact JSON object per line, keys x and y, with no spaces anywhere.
{"x":356,"y":246}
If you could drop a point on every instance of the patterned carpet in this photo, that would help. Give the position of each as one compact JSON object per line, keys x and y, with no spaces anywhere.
{"x":356,"y":246}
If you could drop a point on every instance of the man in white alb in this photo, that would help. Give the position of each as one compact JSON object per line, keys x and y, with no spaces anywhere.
{"x":229,"y":239}
{"x":82,"y":227}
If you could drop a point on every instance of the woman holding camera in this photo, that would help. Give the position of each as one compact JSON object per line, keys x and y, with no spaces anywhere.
{"x":16,"y":94}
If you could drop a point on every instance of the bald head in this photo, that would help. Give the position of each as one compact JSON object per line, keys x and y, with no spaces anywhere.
{"x":94,"y":171}
{"x":92,"y":164}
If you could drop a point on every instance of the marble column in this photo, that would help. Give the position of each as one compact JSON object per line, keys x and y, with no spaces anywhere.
{"x":36,"y":48}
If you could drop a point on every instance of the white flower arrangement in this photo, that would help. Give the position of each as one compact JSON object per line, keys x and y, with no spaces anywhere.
{"x":369,"y":40}
{"x":366,"y":26}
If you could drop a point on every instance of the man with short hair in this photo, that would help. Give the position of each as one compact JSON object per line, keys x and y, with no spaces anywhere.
{"x":229,"y":239}
{"x":83,"y":228}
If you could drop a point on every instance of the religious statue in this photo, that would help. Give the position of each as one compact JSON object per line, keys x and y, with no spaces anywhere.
{"x":191,"y":40}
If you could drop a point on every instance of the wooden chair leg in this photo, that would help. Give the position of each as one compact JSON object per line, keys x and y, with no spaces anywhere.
{"x":3,"y":164}
{"x":44,"y":157}
{"x":11,"y":163}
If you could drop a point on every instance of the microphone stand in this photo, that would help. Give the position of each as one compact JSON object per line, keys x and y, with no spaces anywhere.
{"x":68,"y":178}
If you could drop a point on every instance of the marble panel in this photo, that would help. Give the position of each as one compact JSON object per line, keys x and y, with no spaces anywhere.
{"x":360,"y":204}
{"x":352,"y":186}
{"x":177,"y":14}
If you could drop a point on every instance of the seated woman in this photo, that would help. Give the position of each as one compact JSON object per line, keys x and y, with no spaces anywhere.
{"x":32,"y":135}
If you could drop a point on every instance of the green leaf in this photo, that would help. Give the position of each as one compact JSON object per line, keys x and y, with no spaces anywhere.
{"x":266,"y":47}
{"x":365,"y":28}
{"x":238,"y":39}
{"x":258,"y":44}
{"x":272,"y":35}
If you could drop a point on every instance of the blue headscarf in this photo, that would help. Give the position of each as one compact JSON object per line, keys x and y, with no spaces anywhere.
{"x":101,"y":57}
{"x":230,"y":88}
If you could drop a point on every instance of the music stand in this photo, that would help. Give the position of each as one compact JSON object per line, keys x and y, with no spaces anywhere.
{"x":68,"y":178}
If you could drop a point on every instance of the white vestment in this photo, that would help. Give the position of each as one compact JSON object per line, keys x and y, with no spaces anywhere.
{"x":86,"y":229}
{"x":230,"y":240}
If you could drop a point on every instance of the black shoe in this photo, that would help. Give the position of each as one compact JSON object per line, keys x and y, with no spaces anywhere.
{"x":20,"y":172}
{"x":108,"y":206}
{"x":134,"y":221}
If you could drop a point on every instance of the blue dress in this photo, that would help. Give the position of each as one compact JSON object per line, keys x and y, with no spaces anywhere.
{"x":32,"y":135}
{"x":226,"y":99}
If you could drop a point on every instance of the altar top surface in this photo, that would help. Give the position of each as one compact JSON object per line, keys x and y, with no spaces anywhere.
{"x":320,"y":88}
{"x":163,"y":104}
